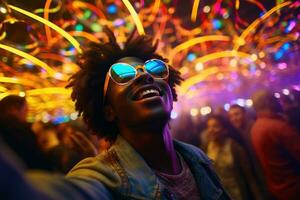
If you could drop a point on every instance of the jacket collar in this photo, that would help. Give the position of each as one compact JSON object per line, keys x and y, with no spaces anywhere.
{"x":136,"y":169}
{"x":142,"y":180}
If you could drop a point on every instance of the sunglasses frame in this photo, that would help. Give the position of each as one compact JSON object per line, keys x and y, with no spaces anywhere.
{"x":136,"y":68}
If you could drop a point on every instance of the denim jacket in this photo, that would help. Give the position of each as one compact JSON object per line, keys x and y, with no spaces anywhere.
{"x":121,"y":173}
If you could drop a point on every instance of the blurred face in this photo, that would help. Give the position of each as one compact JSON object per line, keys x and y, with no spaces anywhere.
{"x":20,"y":113}
{"x":141,"y":100}
{"x":214,"y":128}
{"x":236,"y":117}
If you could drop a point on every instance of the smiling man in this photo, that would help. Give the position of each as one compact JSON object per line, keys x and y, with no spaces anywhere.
{"x":126,"y":96}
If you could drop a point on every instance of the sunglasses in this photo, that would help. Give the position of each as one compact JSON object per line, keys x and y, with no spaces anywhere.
{"x":123,"y":73}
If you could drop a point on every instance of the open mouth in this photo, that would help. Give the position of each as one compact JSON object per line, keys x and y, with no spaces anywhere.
{"x":147,"y":92}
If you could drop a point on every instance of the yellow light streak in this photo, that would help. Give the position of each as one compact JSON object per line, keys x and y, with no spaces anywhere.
{"x":135,"y":17}
{"x":46,"y":16}
{"x":197,"y":78}
{"x":2,"y":95}
{"x":222,"y":54}
{"x":195,"y":10}
{"x":29,"y":57}
{"x":237,"y":4}
{"x":81,"y":4}
{"x":50,"y":90}
{"x":185,"y":32}
{"x":56,"y":57}
{"x":32,"y":45}
{"x":3,"y":89}
{"x":66,"y":35}
{"x":153,"y":13}
{"x":254,"y":24}
{"x":24,"y":82}
{"x":51,"y":10}
{"x":2,"y":36}
{"x":86,"y":35}
{"x":195,"y":41}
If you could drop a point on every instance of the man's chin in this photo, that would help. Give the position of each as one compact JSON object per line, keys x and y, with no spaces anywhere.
{"x":158,"y":118}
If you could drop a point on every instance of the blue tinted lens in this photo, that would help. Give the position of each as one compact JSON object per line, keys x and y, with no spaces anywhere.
{"x":157,"y":68}
{"x":122,"y":72}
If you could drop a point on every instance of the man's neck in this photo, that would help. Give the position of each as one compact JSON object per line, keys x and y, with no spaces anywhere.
{"x":155,"y":146}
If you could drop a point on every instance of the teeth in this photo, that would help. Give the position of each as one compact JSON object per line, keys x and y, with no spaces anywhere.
{"x":153,"y":91}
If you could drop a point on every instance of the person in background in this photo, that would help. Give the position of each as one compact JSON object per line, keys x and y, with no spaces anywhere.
{"x":276,"y":145}
{"x":238,"y":117}
{"x":243,"y":124}
{"x":230,"y":159}
{"x":17,"y":133}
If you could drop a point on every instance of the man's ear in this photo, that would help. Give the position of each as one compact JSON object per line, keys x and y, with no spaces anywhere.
{"x":109,"y":113}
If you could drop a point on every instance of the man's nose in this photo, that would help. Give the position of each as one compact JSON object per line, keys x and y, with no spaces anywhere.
{"x":143,"y":76}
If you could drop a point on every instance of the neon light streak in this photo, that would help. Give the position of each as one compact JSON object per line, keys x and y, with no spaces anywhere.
{"x":197,"y":78}
{"x":81,"y":4}
{"x":3,"y":89}
{"x":17,"y":81}
{"x":66,"y":35}
{"x":222,"y":54}
{"x":50,"y":90}
{"x":197,"y":40}
{"x":237,"y":4}
{"x":46,"y":16}
{"x":86,"y":35}
{"x":251,"y":27}
{"x":135,"y":17}
{"x":29,"y":57}
{"x":195,"y":10}
{"x":51,"y":10}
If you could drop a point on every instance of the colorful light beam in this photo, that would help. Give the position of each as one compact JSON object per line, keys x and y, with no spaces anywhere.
{"x":66,"y":35}
{"x":29,"y":57}
{"x":46,"y":16}
{"x":197,"y":40}
{"x":223,"y":54}
{"x":196,"y":79}
{"x":20,"y":81}
{"x":50,"y":90}
{"x":195,"y":10}
{"x":135,"y":17}
{"x":241,"y":39}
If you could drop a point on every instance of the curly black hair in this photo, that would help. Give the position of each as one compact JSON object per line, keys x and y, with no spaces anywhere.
{"x":88,"y":82}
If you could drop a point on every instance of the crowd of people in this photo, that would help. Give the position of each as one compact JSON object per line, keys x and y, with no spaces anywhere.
{"x":125,"y":96}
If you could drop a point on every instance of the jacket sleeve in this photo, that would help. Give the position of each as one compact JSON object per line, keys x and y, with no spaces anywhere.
{"x":16,"y":184}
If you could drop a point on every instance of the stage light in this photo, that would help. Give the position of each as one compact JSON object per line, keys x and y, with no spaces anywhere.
{"x":205,"y":110}
{"x":194,"y":112}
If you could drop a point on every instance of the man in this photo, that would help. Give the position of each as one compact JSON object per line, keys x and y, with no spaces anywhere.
{"x":276,"y":145}
{"x":17,"y":133}
{"x":126,"y":96}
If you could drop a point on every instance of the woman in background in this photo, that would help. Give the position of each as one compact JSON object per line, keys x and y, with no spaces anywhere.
{"x":230,"y":159}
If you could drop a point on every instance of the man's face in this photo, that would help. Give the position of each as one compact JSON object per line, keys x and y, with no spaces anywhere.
{"x":236,"y":117}
{"x":144,"y":100}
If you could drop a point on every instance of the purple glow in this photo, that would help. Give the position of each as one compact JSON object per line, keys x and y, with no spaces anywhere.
{"x":296,"y":87}
{"x":290,"y":26}
{"x":282,"y":66}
